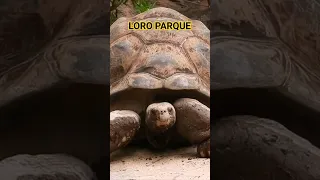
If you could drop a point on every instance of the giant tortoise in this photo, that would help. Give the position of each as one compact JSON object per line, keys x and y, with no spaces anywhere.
{"x":265,"y":82}
{"x":160,"y":82}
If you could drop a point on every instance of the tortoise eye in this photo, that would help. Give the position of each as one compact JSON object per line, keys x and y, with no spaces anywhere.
{"x":170,"y":109}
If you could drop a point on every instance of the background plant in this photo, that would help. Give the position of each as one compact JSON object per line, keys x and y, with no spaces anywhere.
{"x":143,"y":5}
{"x":139,"y":6}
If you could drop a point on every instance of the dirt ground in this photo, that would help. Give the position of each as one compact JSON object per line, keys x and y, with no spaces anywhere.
{"x":142,"y":164}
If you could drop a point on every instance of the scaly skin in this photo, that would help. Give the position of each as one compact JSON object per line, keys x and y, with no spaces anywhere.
{"x":191,"y":118}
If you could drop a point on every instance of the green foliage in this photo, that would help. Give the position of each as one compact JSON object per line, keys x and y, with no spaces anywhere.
{"x":143,"y":5}
{"x":139,"y":6}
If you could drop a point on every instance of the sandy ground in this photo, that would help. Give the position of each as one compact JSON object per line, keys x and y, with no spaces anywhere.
{"x":142,"y":164}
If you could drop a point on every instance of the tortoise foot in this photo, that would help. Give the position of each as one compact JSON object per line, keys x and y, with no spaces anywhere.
{"x":203,"y":149}
{"x":193,"y":123}
{"x":123,"y":126}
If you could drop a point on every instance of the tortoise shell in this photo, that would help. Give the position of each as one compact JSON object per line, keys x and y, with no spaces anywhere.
{"x":155,"y":59}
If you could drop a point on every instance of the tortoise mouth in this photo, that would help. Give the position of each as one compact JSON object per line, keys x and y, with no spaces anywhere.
{"x":68,"y":118}
{"x":267,"y":103}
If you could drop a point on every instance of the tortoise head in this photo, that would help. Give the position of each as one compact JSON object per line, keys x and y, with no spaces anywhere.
{"x":160,"y":117}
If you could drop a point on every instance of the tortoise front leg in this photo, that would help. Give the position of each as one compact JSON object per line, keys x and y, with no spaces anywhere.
{"x":193,"y":123}
{"x":123,"y":126}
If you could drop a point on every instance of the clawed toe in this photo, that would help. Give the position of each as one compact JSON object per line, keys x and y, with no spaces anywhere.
{"x":203,"y":149}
